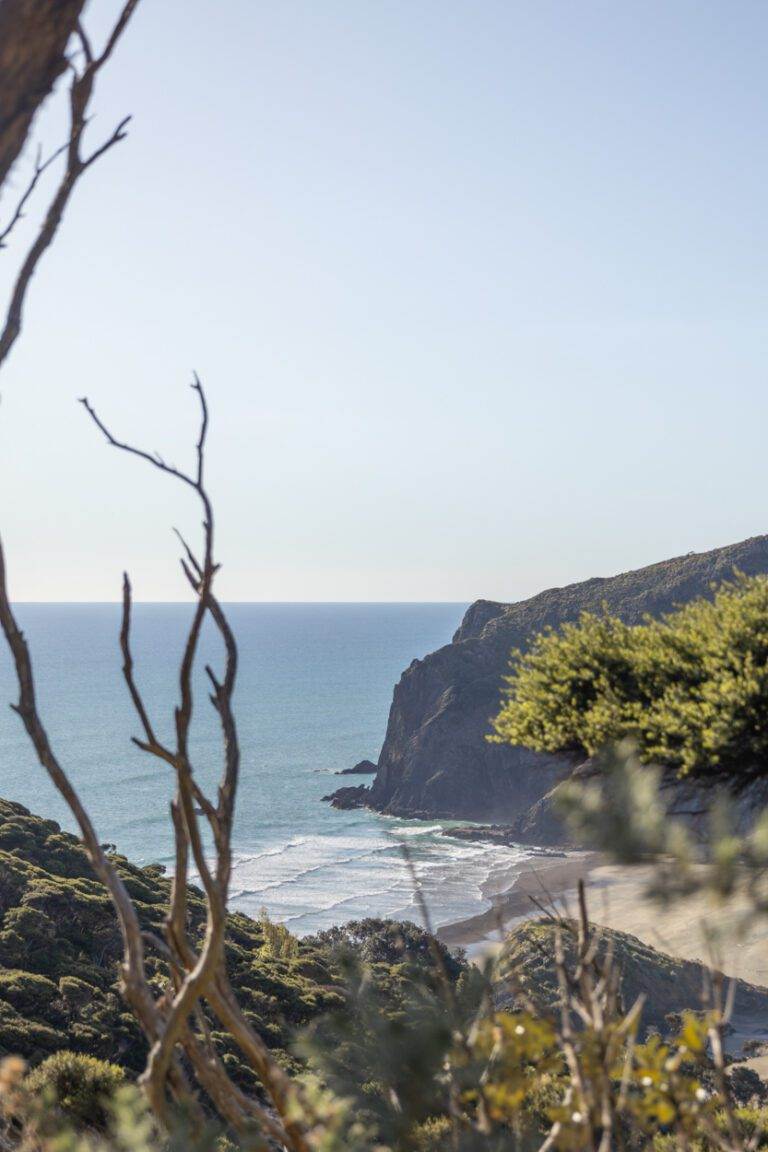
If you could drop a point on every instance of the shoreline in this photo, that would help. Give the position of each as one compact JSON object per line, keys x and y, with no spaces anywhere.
{"x":696,"y":928}
{"x":540,"y":878}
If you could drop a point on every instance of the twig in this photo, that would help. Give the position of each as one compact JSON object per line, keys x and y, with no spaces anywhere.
{"x":19,"y":212}
{"x":201,"y":975}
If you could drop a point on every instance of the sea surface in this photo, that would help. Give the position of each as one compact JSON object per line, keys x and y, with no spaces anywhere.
{"x":313,"y":696}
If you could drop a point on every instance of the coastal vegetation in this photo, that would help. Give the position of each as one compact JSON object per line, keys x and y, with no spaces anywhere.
{"x":60,"y":948}
{"x":690,"y":688}
{"x":409,"y":1049}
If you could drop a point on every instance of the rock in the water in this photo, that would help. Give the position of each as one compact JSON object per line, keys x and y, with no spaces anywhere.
{"x":355,"y":796}
{"x":436,"y":761}
{"x":363,"y":768}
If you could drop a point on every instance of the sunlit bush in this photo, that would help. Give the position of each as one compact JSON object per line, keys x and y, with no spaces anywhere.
{"x":691,"y":688}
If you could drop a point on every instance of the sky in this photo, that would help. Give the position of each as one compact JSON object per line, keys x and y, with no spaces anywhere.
{"x":477,"y":289}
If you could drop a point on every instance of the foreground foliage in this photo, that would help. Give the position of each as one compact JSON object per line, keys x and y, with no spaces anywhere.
{"x":670,"y":987}
{"x":690,"y":688}
{"x":569,"y":1072}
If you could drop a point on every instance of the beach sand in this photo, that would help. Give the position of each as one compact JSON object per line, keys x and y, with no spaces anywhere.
{"x":692,"y":929}
{"x":541,"y":878}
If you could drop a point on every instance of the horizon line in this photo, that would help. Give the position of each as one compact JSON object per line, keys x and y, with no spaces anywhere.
{"x":235,"y":603}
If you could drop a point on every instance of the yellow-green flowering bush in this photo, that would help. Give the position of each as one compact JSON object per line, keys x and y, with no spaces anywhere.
{"x":691,"y":688}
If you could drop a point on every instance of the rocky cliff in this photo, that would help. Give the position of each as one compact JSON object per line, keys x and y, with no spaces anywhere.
{"x":436,"y":762}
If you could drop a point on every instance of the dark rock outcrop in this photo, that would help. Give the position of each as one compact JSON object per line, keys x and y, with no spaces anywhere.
{"x":436,"y":762}
{"x":353,"y":796}
{"x":363,"y":768}
{"x":541,"y":825}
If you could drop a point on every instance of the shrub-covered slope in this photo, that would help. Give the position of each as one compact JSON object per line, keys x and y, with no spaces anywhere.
{"x":60,"y":948}
{"x":670,"y":986}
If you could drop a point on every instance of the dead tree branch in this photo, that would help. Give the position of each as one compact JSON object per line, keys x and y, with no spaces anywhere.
{"x":40,"y":167}
{"x":200,"y":975}
{"x":135,"y":984}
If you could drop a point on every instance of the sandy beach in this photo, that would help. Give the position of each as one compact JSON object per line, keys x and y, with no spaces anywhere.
{"x":692,"y":929}
{"x":541,"y":879}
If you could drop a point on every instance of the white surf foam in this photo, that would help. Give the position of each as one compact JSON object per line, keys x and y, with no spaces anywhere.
{"x":314,"y":882}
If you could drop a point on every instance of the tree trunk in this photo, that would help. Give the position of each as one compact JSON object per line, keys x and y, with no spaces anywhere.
{"x":33,"y":41}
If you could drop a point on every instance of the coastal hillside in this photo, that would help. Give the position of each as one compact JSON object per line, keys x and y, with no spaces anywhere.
{"x":60,"y":949}
{"x":670,"y":986}
{"x":435,"y":760}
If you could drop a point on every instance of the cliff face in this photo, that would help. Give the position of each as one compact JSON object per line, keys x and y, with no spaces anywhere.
{"x":436,"y":762}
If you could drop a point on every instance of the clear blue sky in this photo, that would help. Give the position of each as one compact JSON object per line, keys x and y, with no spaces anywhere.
{"x":478,"y":289}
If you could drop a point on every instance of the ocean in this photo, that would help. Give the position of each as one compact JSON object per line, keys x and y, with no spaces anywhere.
{"x":314,"y":691}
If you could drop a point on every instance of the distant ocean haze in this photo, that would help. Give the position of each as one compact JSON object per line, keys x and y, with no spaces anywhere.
{"x":314,"y":689}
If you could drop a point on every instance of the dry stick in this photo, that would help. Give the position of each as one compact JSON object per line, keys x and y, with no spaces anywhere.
{"x":135,"y":985}
{"x":209,"y":1068}
{"x":240,"y":1110}
{"x":718,"y":1022}
{"x":189,"y":793}
{"x":19,"y":212}
{"x":205,"y":976}
{"x":591,"y":992}
{"x":80,"y":92}
{"x":200,"y":975}
{"x":566,"y":1030}
{"x":150,"y":744}
{"x":221,"y":698}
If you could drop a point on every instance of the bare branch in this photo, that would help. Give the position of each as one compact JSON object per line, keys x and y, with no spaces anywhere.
{"x":125,"y":15}
{"x":40,"y":168}
{"x":151,"y":457}
{"x":152,"y":743}
{"x":118,"y":135}
{"x":201,"y":976}
{"x":135,"y":984}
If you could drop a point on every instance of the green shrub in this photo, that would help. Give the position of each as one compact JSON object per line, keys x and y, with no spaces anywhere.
{"x":691,"y":689}
{"x":76,"y":993}
{"x":26,"y":991}
{"x":278,"y":940}
{"x":80,"y":1087}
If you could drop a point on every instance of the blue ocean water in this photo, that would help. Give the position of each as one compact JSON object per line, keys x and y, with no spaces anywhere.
{"x":313,"y":697}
